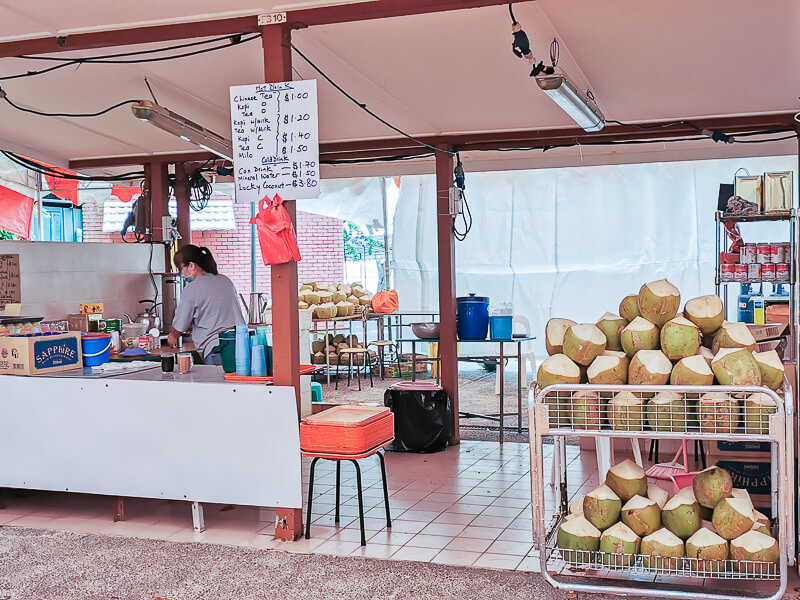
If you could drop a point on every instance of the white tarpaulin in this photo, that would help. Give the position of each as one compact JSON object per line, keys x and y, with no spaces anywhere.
{"x":572,"y":242}
{"x":358,"y":200}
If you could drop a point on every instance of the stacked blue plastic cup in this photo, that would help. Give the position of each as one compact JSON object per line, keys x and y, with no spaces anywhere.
{"x":258,"y":364}
{"x":242,"y":351}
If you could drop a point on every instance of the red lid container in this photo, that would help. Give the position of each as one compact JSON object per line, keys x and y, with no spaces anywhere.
{"x":347,"y":430}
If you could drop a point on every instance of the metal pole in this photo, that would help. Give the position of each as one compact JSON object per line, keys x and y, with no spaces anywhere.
{"x":39,"y":225}
{"x":386,"y":272}
{"x":252,"y":249}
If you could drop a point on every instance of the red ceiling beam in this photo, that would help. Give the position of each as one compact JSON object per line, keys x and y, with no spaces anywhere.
{"x":139,"y":159}
{"x":377,"y":9}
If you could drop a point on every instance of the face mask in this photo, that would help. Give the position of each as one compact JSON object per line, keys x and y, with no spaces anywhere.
{"x":187,"y":279}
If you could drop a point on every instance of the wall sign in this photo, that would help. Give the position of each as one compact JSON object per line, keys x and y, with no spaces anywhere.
{"x":275,"y":140}
{"x":9,"y":280}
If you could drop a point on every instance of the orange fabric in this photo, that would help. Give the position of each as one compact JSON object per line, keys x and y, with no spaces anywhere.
{"x":16,"y":212}
{"x":385,"y":302}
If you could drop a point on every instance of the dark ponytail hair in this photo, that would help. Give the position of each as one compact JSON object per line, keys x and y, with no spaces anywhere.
{"x":199,"y":255}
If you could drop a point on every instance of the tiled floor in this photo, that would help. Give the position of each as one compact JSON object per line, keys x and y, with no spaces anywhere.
{"x":469,"y":505}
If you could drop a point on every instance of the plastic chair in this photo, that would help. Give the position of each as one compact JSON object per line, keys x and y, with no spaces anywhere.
{"x":527,"y":353}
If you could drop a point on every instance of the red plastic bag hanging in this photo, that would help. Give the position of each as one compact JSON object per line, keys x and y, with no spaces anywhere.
{"x":385,"y":302}
{"x":276,"y":234}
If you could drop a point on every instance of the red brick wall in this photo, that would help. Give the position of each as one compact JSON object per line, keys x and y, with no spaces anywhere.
{"x":320,"y":238}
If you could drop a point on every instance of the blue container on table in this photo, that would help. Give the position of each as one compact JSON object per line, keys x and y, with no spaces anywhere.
{"x":472,"y":314}
{"x":501,"y":327}
{"x":96,"y":349}
{"x":242,"y":351}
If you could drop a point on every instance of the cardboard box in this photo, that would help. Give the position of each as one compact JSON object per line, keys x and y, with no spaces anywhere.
{"x":40,"y":354}
{"x":95,"y":308}
{"x":739,"y":450}
{"x":770,"y":331}
{"x":84,"y":323}
{"x":753,"y":476}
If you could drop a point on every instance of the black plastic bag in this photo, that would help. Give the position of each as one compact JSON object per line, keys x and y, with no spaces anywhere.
{"x":422,"y":415}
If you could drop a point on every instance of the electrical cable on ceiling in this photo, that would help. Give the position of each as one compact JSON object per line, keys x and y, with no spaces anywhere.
{"x":4,"y":96}
{"x":43,"y":169}
{"x":459,"y":182}
{"x":363,"y":106}
{"x":358,"y":161}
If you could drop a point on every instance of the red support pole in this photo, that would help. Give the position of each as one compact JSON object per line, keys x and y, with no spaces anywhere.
{"x":182,"y":202}
{"x":276,"y":40}
{"x":448,"y":342}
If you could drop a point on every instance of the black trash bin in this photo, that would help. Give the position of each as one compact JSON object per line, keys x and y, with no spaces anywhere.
{"x":422,"y":416}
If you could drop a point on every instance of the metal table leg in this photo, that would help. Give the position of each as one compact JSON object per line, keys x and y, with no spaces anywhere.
{"x":502,"y":415}
{"x":520,"y":364}
{"x":197,"y":517}
{"x":413,"y":361}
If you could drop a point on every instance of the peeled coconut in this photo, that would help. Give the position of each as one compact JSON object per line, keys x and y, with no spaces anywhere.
{"x":692,"y":370}
{"x":318,"y":346}
{"x":302,"y":305}
{"x":583,"y":343}
{"x":707,"y":312}
{"x":733,"y":335}
{"x":657,"y":494}
{"x":681,"y":515}
{"x":761,"y":518}
{"x":771,"y":367}
{"x":733,"y":517}
{"x":586,"y":410}
{"x":337,"y":297}
{"x":353,"y":300}
{"x":576,"y":507}
{"x":649,"y":367}
{"x":736,"y":366}
{"x":629,"y":307}
{"x":325,"y":311}
{"x":639,"y":334}
{"x":554,"y":334}
{"x":709,"y":550}
{"x":365,"y":300}
{"x":311,"y":298}
{"x":608,"y":369}
{"x":642,"y":515}
{"x":554,"y":370}
{"x":626,"y":412}
{"x":611,"y":325}
{"x":627,"y":479}
{"x":707,"y":354}
{"x":711,"y":485}
{"x":577,"y":539}
{"x":659,"y":301}
{"x":667,"y":411}
{"x":680,"y":338}
{"x":758,"y":547}
{"x":757,"y":410}
{"x":619,"y":545}
{"x":601,"y":507}
{"x":718,"y":412}
{"x":662,"y":550}
{"x":319,"y":358}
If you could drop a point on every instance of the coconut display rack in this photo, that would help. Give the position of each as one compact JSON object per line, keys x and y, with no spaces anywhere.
{"x":703,"y":413}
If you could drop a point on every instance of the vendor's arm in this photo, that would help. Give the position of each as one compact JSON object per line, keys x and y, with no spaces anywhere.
{"x":174,"y":334}
{"x":184,"y":316}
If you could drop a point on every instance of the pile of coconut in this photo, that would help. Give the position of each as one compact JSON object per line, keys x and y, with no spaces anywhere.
{"x":708,"y":527}
{"x":332,"y":345}
{"x":650,"y":343}
{"x":329,"y":300}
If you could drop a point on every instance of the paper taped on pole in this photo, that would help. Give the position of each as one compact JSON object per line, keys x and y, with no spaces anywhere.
{"x":275,"y":140}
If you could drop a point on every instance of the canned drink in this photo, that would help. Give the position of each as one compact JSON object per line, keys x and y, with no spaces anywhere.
{"x":782,"y":272}
{"x":777,"y":253}
{"x":748,"y":254}
{"x":144,"y":342}
{"x":739,"y":272}
{"x":727,"y":272}
{"x":768,"y":272}
{"x":764,"y":254}
{"x":754,"y":272}
{"x":113,"y":325}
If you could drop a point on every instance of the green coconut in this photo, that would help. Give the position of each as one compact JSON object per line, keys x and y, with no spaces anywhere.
{"x":611,"y":325}
{"x":608,"y":369}
{"x":757,"y":410}
{"x":554,"y":335}
{"x":755,"y":547}
{"x":583,"y":343}
{"x":639,"y":334}
{"x":619,"y":545}
{"x":707,"y":354}
{"x":557,"y":369}
{"x":601,"y":507}
{"x":311,"y":298}
{"x":649,"y":367}
{"x":586,"y":410}
{"x":662,"y":550}
{"x":733,"y":335}
{"x":692,"y":370}
{"x":642,"y":515}
{"x":657,"y":494}
{"x":659,"y":301}
{"x":629,"y":307}
{"x":761,"y":519}
{"x":576,"y":507}
{"x":711,"y":485}
{"x":707,"y":312}
{"x":736,"y":366}
{"x":626,"y":412}
{"x":707,"y":551}
{"x":667,"y":411}
{"x":679,"y":338}
{"x":627,"y":479}
{"x":681,"y":515}
{"x":578,"y":540}
{"x":733,"y":517}
{"x":771,"y":367}
{"x":718,"y":412}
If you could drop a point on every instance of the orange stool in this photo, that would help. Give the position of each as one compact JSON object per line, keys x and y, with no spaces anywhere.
{"x":348,"y":432}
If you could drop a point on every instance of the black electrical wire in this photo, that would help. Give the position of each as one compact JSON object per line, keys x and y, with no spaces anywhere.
{"x":466,"y":217}
{"x":651,"y":127}
{"x":363,"y":106}
{"x":780,"y":139}
{"x":40,"y":113}
{"x":356,"y":161}
{"x":511,"y":12}
{"x":50,"y":172}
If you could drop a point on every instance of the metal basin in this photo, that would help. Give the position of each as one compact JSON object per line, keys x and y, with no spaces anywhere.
{"x":426,"y":331}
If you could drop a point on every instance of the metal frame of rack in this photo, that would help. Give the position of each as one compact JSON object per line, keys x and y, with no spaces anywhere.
{"x":549,"y":415}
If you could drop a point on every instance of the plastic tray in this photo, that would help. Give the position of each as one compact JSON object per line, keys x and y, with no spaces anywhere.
{"x":304,"y":370}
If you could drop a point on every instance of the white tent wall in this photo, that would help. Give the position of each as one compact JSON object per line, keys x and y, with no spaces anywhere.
{"x":572,"y":242}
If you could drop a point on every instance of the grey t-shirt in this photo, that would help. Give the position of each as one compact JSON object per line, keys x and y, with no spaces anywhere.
{"x":208,"y":305}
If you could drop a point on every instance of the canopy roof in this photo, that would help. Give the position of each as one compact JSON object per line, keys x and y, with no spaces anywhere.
{"x":428,"y":74}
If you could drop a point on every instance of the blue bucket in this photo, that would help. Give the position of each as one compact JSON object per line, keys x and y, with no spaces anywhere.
{"x":96,"y":348}
{"x":501,"y":328}
{"x":472,"y":317}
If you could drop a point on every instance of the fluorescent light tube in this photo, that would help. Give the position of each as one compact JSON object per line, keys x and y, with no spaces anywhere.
{"x":171,"y":122}
{"x":580,"y":108}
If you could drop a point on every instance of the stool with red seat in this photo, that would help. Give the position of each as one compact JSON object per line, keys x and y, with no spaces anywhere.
{"x":348,"y":432}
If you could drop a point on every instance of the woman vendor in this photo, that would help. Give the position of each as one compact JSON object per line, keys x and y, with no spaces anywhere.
{"x":209,"y":304}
